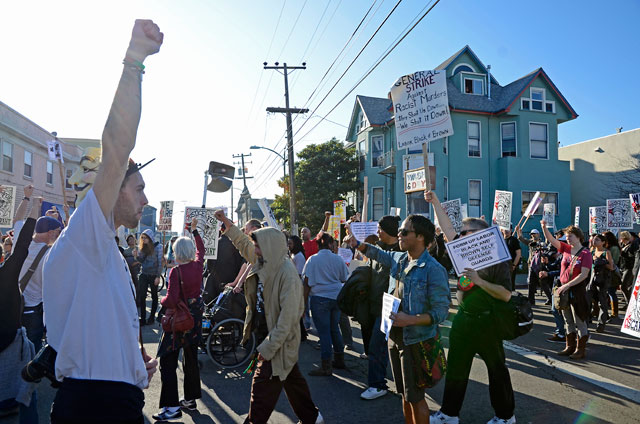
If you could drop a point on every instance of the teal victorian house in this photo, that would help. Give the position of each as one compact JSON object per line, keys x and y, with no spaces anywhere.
{"x":505,"y":138}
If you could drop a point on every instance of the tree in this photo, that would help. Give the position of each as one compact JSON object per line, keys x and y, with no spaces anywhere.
{"x":324,"y":173}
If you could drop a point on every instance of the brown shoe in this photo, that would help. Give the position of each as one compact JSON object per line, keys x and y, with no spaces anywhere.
{"x":324,"y":370}
{"x":580,"y":352}
{"x":570,"y":346}
{"x":556,"y":338}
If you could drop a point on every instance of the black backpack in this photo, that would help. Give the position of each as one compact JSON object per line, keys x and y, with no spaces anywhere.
{"x":513,"y":318}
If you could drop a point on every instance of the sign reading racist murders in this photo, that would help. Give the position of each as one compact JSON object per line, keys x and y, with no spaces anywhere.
{"x":421,"y":108}
{"x":479,"y":250}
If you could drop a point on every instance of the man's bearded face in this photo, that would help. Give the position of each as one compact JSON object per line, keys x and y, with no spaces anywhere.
{"x":85,"y":174}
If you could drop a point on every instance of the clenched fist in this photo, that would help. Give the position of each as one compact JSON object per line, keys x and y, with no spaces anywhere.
{"x":146,"y":40}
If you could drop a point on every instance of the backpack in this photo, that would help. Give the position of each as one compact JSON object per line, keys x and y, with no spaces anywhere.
{"x":353,"y":298}
{"x":513,"y":318}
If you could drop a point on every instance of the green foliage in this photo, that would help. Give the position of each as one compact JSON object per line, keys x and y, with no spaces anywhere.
{"x":324,"y":173}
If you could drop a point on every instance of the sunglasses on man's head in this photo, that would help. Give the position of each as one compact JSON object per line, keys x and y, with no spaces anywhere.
{"x":404,"y":232}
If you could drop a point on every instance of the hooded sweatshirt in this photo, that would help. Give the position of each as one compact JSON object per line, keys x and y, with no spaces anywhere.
{"x":282,"y":295}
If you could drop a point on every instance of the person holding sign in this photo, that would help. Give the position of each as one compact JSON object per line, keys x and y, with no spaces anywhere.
{"x":472,"y":330}
{"x":574,"y":270}
{"x":422,"y":285}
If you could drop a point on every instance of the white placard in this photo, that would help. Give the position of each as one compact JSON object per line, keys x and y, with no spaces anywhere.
{"x":55,"y":150}
{"x":361,"y":230}
{"x":421,"y":108}
{"x":635,"y":206}
{"x":549,"y":214}
{"x":576,"y":218}
{"x":631,"y":322}
{"x":7,"y":204}
{"x":394,"y":211}
{"x":597,"y":219}
{"x":389,"y":304}
{"x":453,"y":209}
{"x":619,"y":214}
{"x":268,"y":213}
{"x":345,"y":254}
{"x":502,"y":209}
{"x":166,"y":215}
{"x":533,"y":204}
{"x":479,"y":250}
{"x":208,"y":228}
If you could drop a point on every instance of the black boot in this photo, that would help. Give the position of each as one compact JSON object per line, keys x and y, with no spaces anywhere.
{"x":324,"y":370}
{"x":338,"y":361}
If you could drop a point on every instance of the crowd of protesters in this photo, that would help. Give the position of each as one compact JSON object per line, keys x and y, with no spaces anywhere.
{"x":291,"y":285}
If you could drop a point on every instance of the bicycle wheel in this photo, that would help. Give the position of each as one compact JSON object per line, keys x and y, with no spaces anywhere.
{"x":224,"y":344}
{"x":162,"y":283}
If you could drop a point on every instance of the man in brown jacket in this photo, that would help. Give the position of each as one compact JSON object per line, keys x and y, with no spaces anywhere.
{"x":274,"y":306}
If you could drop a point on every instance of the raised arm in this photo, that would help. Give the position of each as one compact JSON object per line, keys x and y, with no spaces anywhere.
{"x":241,"y":241}
{"x":547,"y":234}
{"x":443,"y":219}
{"x":119,"y":135}
{"x":325,"y":224}
{"x":21,"y":212}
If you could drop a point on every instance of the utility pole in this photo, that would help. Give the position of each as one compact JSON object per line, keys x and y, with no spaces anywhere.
{"x":288,"y":111}
{"x":245,"y":190}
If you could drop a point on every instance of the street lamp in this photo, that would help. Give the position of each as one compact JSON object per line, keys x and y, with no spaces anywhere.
{"x":284,"y":160}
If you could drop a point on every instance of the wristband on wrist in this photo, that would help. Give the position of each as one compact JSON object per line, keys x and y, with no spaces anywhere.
{"x":134,"y":64}
{"x":26,"y":198}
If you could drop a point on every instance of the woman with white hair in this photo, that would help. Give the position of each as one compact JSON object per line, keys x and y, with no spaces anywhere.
{"x":185,"y":282}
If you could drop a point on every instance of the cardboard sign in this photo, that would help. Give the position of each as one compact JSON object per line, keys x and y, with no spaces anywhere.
{"x":7,"y":204}
{"x":502,"y":209}
{"x":421,"y":108}
{"x":208,"y":228}
{"x":166,"y":215}
{"x":361,"y":230}
{"x":597,"y":219}
{"x":268,"y":213}
{"x":453,"y":209}
{"x":635,"y":206}
{"x":619,"y":214}
{"x":549,"y":215}
{"x":576,"y":218}
{"x":340,"y":210}
{"x":479,"y":250}
{"x":345,"y":254}
{"x":631,"y":322}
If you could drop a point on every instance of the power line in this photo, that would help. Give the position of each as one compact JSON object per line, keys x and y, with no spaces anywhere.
{"x":292,"y":29}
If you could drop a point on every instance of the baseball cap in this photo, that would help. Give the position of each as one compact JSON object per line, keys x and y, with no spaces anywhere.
{"x":44,"y":224}
{"x":534,"y":231}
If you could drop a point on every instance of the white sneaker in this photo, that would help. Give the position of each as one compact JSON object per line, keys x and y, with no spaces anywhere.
{"x":372,"y":393}
{"x":440,"y":418}
{"x":496,"y":420}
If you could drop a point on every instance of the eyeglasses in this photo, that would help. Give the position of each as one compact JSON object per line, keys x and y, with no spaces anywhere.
{"x":404,"y":232}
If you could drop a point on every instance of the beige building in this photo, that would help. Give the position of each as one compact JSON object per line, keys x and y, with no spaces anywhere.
{"x":603,"y":168}
{"x":25,"y":159}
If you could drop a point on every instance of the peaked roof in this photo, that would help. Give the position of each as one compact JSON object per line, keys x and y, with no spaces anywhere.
{"x":466,"y":49}
{"x":377,"y":110}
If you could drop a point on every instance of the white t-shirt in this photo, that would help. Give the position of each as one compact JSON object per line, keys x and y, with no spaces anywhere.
{"x":33,"y":292}
{"x":90,"y":311}
{"x":299,"y":261}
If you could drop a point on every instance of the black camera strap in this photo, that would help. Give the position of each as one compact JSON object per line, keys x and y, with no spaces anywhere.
{"x":27,"y":276}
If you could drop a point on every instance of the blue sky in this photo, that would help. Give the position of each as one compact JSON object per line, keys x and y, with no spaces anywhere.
{"x":61,"y":63}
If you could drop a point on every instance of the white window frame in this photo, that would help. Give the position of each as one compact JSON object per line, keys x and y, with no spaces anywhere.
{"x":544,"y":97}
{"x":543,"y":202}
{"x":13,"y":151}
{"x":515,"y":133}
{"x":553,"y":106}
{"x":479,"y":139}
{"x":522,"y":100}
{"x":373,"y":216}
{"x":29,"y":177}
{"x":464,"y":84}
{"x":469,"y":198}
{"x":373,"y":158}
{"x":445,"y":186}
{"x":49,"y":173}
{"x":548,"y":142}
{"x":463,"y":64}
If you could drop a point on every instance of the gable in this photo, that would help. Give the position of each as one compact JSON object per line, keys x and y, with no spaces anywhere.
{"x":462,"y":60}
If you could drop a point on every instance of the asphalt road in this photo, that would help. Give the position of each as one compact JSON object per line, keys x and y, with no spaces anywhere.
{"x":604,"y":388}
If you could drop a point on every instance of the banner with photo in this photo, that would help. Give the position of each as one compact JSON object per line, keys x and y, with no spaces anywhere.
{"x":208,"y":228}
{"x":7,"y":205}
{"x":502,"y":209}
{"x":619,"y":214}
{"x":549,"y":214}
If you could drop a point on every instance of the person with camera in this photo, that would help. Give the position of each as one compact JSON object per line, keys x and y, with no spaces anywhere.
{"x":535,"y":257}
{"x":89,"y":297}
{"x":13,"y":336}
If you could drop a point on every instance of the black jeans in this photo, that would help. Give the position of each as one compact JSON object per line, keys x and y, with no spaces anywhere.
{"x":470,"y":335}
{"x":145,"y":282}
{"x":168,"y":366}
{"x":97,"y":401}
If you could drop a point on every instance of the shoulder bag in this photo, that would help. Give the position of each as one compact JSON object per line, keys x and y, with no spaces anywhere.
{"x":429,"y":362}
{"x":178,"y":319}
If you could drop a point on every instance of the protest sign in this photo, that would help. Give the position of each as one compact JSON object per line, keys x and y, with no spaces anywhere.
{"x":334,"y":227}
{"x":597,"y":219}
{"x":340,"y":210}
{"x":533,"y":204}
{"x":389,"y":304}
{"x":361,"y":230}
{"x":453,"y":209}
{"x":619,"y":214}
{"x":421,"y":108}
{"x":394,"y":211}
{"x":7,"y":204}
{"x":549,"y":214}
{"x":635,"y":206}
{"x":268,"y":213}
{"x":465,"y":211}
{"x":631,"y":323}
{"x":208,"y":228}
{"x":502,"y":209}
{"x":166,"y":215}
{"x":55,"y":150}
{"x":479,"y":250}
{"x":576,"y":219}
{"x":345,"y":254}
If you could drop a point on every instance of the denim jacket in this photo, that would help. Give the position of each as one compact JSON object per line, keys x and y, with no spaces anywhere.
{"x":426,"y":289}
